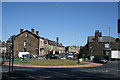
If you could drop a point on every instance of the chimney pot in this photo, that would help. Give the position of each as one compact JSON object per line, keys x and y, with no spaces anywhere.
{"x":97,"y":33}
{"x":37,"y":33}
{"x":21,"y":30}
{"x":32,"y":30}
{"x":57,"y":40}
{"x":100,"y":34}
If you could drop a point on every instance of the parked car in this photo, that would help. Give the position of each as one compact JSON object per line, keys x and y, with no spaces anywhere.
{"x":62,"y":57}
{"x":23,"y":54}
{"x":71,"y":53}
{"x":7,"y":57}
{"x":1,"y":61}
{"x":75,"y":56}
{"x":99,"y":60}
{"x":51,"y":56}
{"x":70,"y":56}
{"x":79,"y":56}
{"x":34,"y":56}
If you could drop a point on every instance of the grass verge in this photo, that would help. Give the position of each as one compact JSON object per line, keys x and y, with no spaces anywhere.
{"x":50,"y":62}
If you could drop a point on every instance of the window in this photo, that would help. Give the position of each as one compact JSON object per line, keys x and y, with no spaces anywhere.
{"x":24,"y":43}
{"x":107,"y":52}
{"x":24,"y":49}
{"x":26,"y":35}
{"x":107,"y":45}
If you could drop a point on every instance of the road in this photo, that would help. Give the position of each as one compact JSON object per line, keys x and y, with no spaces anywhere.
{"x":107,"y":71}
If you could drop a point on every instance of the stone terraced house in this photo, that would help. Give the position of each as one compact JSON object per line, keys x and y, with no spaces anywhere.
{"x":99,"y":44}
{"x":30,"y":41}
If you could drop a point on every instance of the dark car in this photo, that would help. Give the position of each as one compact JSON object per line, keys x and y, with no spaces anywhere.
{"x":75,"y":56}
{"x":99,"y":60}
{"x":79,"y":56}
{"x":51,"y":56}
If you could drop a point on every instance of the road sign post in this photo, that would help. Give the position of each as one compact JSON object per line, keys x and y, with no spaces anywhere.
{"x":11,"y":58}
{"x":13,"y":38}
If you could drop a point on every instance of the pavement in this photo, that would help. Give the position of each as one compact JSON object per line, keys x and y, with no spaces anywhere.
{"x":74,"y":66}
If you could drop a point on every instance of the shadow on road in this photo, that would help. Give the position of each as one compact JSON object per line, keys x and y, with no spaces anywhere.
{"x":23,"y":73}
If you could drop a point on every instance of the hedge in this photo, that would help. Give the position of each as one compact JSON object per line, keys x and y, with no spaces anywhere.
{"x":99,"y":55}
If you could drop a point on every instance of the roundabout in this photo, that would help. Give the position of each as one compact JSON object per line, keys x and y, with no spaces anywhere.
{"x":65,"y":66}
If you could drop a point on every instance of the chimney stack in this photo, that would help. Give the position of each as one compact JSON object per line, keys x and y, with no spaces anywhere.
{"x":37,"y":33}
{"x":57,"y":40}
{"x":32,"y":30}
{"x":97,"y":35}
{"x":21,"y":30}
{"x":100,"y":34}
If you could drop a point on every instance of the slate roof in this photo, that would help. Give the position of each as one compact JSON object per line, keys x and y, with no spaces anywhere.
{"x":101,"y":39}
{"x":45,"y":41}
{"x":50,"y":42}
{"x":28,"y":32}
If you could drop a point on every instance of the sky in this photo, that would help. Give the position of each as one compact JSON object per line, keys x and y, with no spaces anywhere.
{"x":72,"y":22}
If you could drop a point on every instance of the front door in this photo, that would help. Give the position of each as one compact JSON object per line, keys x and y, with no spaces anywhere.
{"x":106,"y":52}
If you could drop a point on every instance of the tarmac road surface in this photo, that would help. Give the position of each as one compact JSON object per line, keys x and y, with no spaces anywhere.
{"x":107,"y":71}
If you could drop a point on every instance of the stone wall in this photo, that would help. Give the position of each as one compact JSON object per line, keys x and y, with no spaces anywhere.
{"x":26,"y":42}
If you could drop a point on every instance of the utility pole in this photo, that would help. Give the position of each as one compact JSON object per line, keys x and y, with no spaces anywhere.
{"x":109,"y":46}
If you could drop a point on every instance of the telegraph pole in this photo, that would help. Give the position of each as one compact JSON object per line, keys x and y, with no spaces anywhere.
{"x":109,"y":46}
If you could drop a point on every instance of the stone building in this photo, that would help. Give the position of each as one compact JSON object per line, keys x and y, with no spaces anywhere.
{"x":2,"y":48}
{"x":99,"y":44}
{"x":8,"y":51}
{"x":55,"y":47}
{"x":30,"y":41}
{"x":74,"y":49}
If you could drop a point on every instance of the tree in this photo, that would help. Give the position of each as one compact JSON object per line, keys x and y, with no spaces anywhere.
{"x":83,"y":50}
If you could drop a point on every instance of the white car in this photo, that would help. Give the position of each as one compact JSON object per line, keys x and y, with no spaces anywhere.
{"x":70,"y":53}
{"x":34,"y":56}
{"x":70,"y":56}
